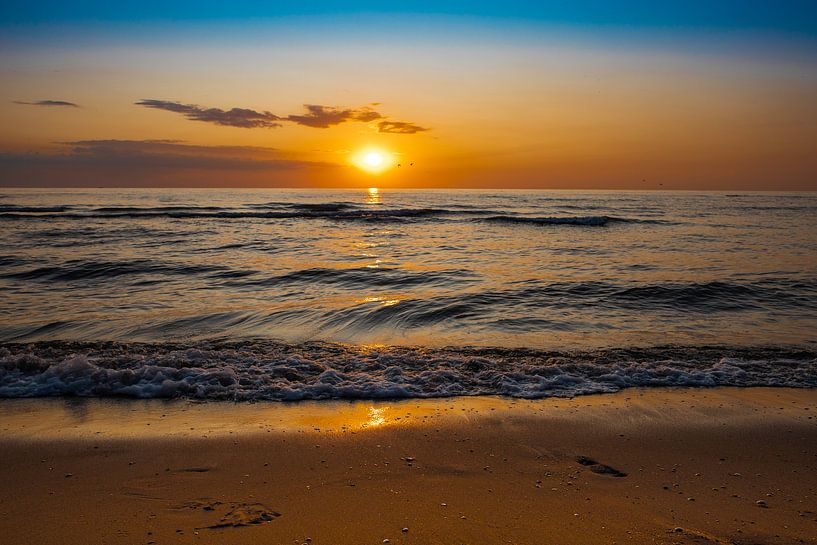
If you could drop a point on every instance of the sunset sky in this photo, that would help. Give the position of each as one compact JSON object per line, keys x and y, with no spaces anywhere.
{"x":587,"y":94}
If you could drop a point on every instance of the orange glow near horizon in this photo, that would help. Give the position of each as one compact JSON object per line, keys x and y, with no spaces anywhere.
{"x":560,"y":114}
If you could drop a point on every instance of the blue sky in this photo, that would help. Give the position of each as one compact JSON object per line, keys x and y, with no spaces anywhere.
{"x":788,"y":16}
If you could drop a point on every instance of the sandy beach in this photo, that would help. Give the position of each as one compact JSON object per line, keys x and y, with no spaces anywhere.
{"x":669,"y":466}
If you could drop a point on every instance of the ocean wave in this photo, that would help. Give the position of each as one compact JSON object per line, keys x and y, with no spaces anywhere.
{"x":782,"y":208}
{"x":153,"y":209}
{"x":529,"y":302}
{"x":34,"y":209}
{"x":337,"y":211}
{"x":269,"y":370}
{"x":323,"y":206}
{"x":241,"y":278}
{"x":11,"y":261}
{"x":718,"y":295}
{"x":83,"y":270}
{"x":198,"y":213}
{"x":316,"y":206}
{"x":364,"y":277}
{"x":585,"y":221}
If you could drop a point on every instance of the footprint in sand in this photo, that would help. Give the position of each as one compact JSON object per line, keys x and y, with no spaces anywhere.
{"x":235,"y":514}
{"x":601,"y":469}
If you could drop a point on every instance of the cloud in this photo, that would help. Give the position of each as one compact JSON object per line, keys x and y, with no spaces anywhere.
{"x":155,"y":163}
{"x":234,"y":117}
{"x":176,"y":154}
{"x":316,"y":116}
{"x":322,"y":117}
{"x":399,"y":127}
{"x":48,"y":103}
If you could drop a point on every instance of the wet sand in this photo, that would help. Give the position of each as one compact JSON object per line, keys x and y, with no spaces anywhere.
{"x":665,"y":466}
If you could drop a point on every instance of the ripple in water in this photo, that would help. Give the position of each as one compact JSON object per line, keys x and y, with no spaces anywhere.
{"x":568,"y":272}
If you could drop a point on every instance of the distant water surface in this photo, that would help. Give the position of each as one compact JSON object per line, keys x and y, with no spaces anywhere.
{"x":515,"y":269}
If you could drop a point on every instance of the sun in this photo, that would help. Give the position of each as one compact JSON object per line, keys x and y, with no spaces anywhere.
{"x":373,"y":161}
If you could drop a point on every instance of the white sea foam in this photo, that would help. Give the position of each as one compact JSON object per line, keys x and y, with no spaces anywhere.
{"x":266,"y":370}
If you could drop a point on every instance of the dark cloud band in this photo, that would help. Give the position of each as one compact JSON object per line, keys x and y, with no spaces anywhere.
{"x":322,"y":117}
{"x":159,"y":154}
{"x":235,"y":117}
{"x":316,"y":116}
{"x":399,"y":127}
{"x":132,"y":163}
{"x":48,"y":103}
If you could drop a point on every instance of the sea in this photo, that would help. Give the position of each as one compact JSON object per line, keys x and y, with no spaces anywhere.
{"x":291,"y":294}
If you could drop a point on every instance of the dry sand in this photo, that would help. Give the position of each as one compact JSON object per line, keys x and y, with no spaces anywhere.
{"x":451,"y":471}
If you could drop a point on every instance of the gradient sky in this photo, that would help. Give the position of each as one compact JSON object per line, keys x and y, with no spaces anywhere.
{"x":637,"y":95}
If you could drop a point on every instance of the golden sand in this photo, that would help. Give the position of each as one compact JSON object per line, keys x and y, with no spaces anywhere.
{"x":659,"y":466}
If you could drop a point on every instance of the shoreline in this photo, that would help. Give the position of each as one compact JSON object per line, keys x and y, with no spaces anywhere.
{"x":657,"y":465}
{"x":123,"y":418}
{"x":258,"y":370}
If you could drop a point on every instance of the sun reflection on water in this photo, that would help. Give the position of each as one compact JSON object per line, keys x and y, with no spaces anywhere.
{"x":386,"y":302}
{"x":373,"y":196}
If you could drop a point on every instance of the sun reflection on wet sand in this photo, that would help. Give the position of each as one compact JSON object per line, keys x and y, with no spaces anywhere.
{"x":90,"y":419}
{"x":115,"y":418}
{"x":376,"y":418}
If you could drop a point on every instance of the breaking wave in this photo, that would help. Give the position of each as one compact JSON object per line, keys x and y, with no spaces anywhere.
{"x":337,"y":211}
{"x":586,"y":221}
{"x":270,"y":370}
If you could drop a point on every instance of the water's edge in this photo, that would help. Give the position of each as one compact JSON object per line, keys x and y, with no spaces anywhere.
{"x":250,"y":370}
